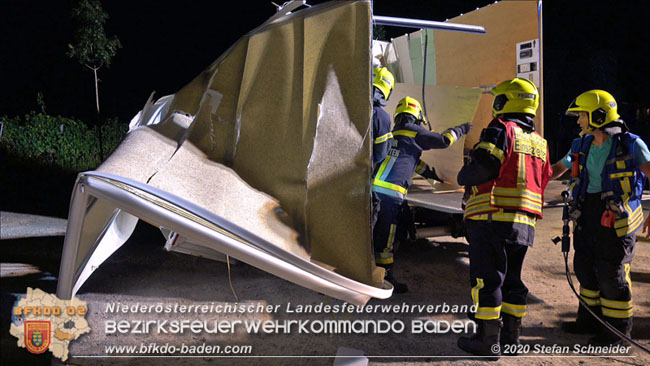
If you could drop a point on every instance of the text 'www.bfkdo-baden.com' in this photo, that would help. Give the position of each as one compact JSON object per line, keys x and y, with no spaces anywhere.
{"x":152,"y":348}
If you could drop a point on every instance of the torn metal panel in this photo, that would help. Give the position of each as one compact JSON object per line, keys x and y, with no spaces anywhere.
{"x":402,"y":63}
{"x":279,"y":146}
{"x":176,"y":242}
{"x":140,"y":155}
{"x":280,"y":75}
{"x":220,"y":190}
{"x":163,"y":209}
{"x":152,"y":112}
{"x":114,"y":235}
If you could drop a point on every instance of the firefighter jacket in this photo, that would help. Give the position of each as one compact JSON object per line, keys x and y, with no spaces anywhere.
{"x":622,"y":181}
{"x":393,"y":176}
{"x":381,"y":133}
{"x":516,"y":193}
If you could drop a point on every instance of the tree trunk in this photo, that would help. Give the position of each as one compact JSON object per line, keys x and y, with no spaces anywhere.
{"x":99,"y":123}
{"x":96,"y":91}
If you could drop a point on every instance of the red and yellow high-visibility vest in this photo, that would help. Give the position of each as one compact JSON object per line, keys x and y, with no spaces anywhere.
{"x":523,"y":175}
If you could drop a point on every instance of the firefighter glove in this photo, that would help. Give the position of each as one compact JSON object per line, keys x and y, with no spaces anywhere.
{"x":463,"y":129}
{"x":430,"y":173}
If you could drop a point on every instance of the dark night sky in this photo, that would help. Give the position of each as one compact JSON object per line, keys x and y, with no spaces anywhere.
{"x":587,"y":44}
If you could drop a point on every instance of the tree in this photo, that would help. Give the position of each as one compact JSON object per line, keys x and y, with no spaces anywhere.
{"x":92,"y":48}
{"x":379,"y":33}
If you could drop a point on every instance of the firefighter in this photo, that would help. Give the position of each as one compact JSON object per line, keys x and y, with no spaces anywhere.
{"x":392,"y":177}
{"x":382,"y":86}
{"x":504,"y":184}
{"x":608,"y":169}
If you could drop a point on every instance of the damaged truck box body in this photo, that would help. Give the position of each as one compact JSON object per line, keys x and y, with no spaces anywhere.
{"x":273,"y":169}
{"x":263,"y":158}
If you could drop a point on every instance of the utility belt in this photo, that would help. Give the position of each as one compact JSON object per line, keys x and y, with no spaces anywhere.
{"x":587,"y":205}
{"x":594,"y":200}
{"x":593,"y":210}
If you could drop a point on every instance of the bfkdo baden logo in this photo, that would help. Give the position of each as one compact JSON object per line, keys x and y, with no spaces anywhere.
{"x":42,"y":322}
{"x":37,"y":333}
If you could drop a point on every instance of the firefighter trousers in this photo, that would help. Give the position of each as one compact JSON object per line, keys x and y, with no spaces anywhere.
{"x":602,"y":265}
{"x":383,"y":236}
{"x":496,"y":255}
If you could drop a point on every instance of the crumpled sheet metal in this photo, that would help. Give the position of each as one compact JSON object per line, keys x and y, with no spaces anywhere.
{"x":271,"y":102}
{"x":188,"y":173}
{"x":204,"y":227}
{"x":446,"y":106}
{"x":279,"y":145}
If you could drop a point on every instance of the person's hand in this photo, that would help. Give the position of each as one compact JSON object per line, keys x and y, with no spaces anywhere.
{"x":464,"y":128}
{"x":430,"y":173}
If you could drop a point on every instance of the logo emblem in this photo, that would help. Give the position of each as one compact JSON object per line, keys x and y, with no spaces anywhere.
{"x":37,"y":336}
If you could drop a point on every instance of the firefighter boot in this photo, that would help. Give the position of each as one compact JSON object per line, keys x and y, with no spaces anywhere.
{"x":486,"y":341}
{"x":510,"y":333}
{"x":471,"y":316}
{"x":606,"y":337}
{"x":585,"y":323}
{"x":398,"y":287}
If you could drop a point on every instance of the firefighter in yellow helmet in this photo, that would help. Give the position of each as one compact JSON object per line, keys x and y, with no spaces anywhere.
{"x":392,"y":177}
{"x":383,"y":83}
{"x":608,"y":171}
{"x":382,"y":86}
{"x":504,"y":185}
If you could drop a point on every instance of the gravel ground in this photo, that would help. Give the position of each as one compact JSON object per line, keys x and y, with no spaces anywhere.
{"x":141,"y":272}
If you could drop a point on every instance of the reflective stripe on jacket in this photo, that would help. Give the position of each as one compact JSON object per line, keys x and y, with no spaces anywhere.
{"x":381,"y":134}
{"x":393,"y":176}
{"x":523,"y":175}
{"x":622,"y":180}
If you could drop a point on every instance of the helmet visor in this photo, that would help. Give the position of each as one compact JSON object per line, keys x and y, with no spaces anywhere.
{"x":574,"y":109}
{"x":499,"y":102}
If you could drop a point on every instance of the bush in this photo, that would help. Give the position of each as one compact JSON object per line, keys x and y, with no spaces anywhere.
{"x":58,"y":141}
{"x":42,"y":155}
